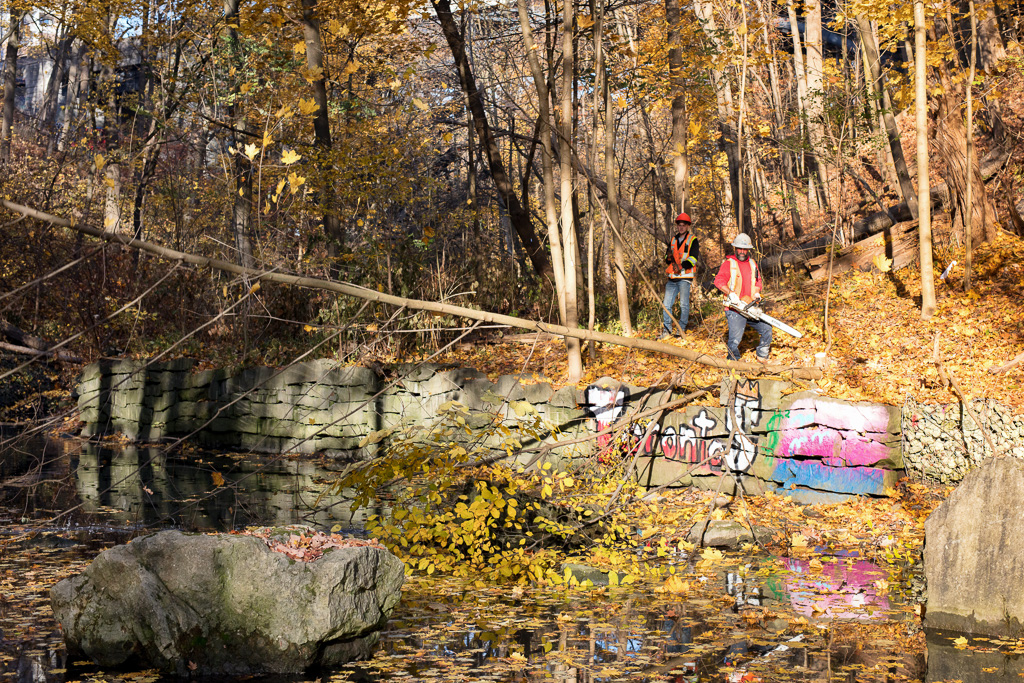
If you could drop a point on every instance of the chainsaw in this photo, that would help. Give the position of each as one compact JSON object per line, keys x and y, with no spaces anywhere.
{"x":752,"y":312}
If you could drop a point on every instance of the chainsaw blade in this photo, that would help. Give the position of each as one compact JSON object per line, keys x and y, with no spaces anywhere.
{"x":754,"y":313}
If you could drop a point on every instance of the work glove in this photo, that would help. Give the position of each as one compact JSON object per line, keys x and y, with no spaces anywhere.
{"x":757,"y":297}
{"x":734,"y":299}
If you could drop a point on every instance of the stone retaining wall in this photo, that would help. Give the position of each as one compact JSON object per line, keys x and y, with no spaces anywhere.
{"x":804,"y":445}
{"x":800,"y":444}
{"x":306,"y":408}
{"x":943,"y":442}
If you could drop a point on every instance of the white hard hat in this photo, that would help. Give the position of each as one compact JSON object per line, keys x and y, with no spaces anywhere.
{"x":742,"y":241}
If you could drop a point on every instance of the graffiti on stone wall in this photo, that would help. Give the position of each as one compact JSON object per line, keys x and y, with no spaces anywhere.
{"x":606,"y":403}
{"x":692,"y":444}
{"x":700,"y":440}
{"x":743,"y":415}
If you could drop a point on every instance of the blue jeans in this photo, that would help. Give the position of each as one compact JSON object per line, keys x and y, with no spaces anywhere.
{"x":676,"y":288}
{"x":737,"y":325}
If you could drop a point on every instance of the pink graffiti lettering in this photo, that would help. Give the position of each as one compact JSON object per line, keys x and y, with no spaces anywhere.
{"x":670,"y":444}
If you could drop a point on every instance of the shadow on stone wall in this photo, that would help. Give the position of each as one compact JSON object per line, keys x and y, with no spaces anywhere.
{"x":797,"y":443}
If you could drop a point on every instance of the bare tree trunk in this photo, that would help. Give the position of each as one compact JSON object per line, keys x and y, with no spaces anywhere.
{"x":547,"y":156}
{"x":471,"y":172}
{"x":744,"y":194}
{"x":78,"y":85}
{"x":241,"y":209}
{"x":799,"y":73}
{"x":569,"y":250}
{"x":988,"y":42}
{"x":968,"y":198}
{"x":153,"y":144}
{"x":614,"y":217}
{"x":921,"y":104}
{"x":10,"y":84}
{"x":780,"y":124}
{"x":969,"y":149}
{"x":519,"y":216}
{"x":112,"y":202}
{"x":48,"y":112}
{"x":677,"y":153}
{"x":871,"y":60}
{"x":729,"y":141}
{"x":816,"y":100}
{"x":333,"y":228}
{"x":662,"y":187}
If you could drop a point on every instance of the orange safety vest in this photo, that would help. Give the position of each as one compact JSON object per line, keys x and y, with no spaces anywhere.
{"x":736,"y":277}
{"x":681,"y":252}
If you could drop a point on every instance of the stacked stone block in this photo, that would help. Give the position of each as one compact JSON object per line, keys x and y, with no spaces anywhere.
{"x":313,"y":407}
{"x":807,"y":446}
{"x":801,"y":443}
{"x":814,"y":443}
{"x":943,"y":442}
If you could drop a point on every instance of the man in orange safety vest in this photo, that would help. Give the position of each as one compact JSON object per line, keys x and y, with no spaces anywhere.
{"x":681,"y":261}
{"x":740,"y":280}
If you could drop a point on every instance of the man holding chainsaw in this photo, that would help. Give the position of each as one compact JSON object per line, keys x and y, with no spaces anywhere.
{"x":740,"y":280}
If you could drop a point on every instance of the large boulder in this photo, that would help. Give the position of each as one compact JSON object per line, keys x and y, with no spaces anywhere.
{"x":974,"y":553}
{"x":226,"y":604}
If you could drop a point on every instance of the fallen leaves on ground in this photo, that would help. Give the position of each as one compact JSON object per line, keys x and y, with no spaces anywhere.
{"x":305,"y":546}
{"x":880,"y":349}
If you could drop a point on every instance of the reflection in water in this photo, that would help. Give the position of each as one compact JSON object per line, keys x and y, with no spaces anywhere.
{"x":140,"y":488}
{"x":456,"y":633}
{"x":843,"y":588}
{"x":146,"y":486}
{"x":986,"y":661}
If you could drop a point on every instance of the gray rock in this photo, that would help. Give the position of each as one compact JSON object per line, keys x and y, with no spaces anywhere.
{"x":583,"y":573}
{"x":726,"y":534}
{"x":770,"y":391}
{"x":973,"y":555}
{"x":566,"y":397}
{"x":176,"y":365}
{"x":508,"y":388}
{"x":226,"y":604}
{"x":418,"y":372}
{"x":540,"y":392}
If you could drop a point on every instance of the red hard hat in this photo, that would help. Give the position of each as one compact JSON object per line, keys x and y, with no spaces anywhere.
{"x":683,"y":218}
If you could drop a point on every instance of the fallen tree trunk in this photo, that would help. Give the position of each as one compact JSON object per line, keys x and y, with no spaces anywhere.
{"x":27,"y":344}
{"x":899,"y":243}
{"x":65,"y":356}
{"x":445,"y":309}
{"x":1008,"y":365}
{"x":875,"y":222}
{"x":19,"y":336}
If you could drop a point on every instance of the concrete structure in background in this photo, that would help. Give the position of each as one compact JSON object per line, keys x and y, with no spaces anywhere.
{"x":973,"y":555}
{"x":37,"y":64}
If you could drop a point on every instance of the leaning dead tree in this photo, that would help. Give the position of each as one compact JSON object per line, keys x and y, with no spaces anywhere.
{"x":878,"y":221}
{"x":255,"y":275}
